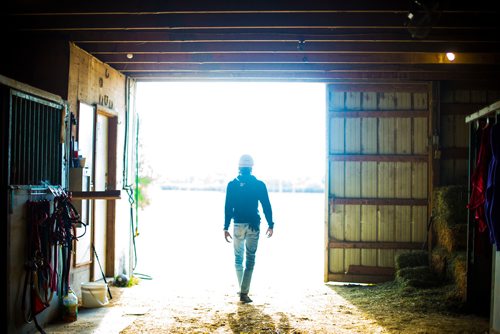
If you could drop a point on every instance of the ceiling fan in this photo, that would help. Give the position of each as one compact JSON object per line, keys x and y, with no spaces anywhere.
{"x":422,"y":16}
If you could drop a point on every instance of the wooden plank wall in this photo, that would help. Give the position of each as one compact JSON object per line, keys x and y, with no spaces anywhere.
{"x":374,"y":158}
{"x":458,"y":101}
{"x":95,"y":83}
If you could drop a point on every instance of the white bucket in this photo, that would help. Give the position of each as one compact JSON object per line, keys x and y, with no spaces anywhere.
{"x":94,"y":294}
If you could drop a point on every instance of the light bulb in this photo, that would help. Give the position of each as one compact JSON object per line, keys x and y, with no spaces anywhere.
{"x":450,"y":56}
{"x":130,"y":55}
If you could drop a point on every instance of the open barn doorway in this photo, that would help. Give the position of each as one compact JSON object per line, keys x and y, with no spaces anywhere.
{"x":191,"y":136}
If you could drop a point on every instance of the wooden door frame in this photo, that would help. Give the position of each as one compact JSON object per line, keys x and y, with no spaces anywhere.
{"x":110,"y":220}
{"x":90,"y":204}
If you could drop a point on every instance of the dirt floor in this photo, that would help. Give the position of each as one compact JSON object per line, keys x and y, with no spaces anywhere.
{"x":153,"y":308}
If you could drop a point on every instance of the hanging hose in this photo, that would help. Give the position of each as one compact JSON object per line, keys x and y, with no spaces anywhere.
{"x":133,"y":198}
{"x":135,"y":232}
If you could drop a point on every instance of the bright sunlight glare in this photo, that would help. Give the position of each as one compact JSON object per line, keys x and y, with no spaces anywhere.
{"x":201,"y":129}
{"x":191,"y":138}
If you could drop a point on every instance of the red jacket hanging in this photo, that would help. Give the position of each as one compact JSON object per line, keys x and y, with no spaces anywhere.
{"x":478,"y":179}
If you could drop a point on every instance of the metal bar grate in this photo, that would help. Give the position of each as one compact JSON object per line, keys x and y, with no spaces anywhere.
{"x":36,"y":151}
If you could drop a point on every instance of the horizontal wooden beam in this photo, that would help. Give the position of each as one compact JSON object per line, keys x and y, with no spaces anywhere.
{"x":455,"y":153}
{"x":460,"y":108}
{"x":259,"y":19}
{"x":330,"y":77}
{"x":462,"y":37}
{"x":130,"y":65}
{"x":379,"y":201}
{"x":370,"y":270}
{"x":211,"y":20}
{"x":450,"y":86}
{"x":106,"y":195}
{"x":379,"y":157}
{"x":300,"y":57}
{"x":127,"y":46}
{"x":358,"y":278}
{"x":150,"y":6}
{"x":379,"y":114}
{"x":381,"y":87}
{"x":30,"y":89}
{"x":374,"y":245}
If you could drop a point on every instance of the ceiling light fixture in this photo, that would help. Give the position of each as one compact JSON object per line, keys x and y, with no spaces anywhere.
{"x":130,"y":55}
{"x":450,"y":56}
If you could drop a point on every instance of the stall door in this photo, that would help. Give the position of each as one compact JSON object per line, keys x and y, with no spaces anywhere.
{"x":377,"y":178}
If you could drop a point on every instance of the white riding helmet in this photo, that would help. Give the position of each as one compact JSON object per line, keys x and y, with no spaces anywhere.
{"x":245,"y":161}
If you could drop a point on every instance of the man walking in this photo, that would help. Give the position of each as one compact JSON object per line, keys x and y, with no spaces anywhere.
{"x":243,"y":195}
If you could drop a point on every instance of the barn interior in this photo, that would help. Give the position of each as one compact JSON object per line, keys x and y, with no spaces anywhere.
{"x":410,"y":87}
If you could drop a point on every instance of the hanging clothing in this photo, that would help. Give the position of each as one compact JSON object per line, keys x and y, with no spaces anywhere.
{"x":478,"y":179}
{"x":492,"y":200}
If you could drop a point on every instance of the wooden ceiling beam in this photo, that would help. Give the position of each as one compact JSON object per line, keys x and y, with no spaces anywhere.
{"x":354,"y":35}
{"x":300,"y":57}
{"x":166,"y":67}
{"x":308,"y":76}
{"x":215,"y":5}
{"x":249,"y":20}
{"x":291,"y":40}
{"x":289,"y":46}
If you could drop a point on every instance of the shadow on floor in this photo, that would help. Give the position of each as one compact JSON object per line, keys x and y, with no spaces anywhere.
{"x":251,"y":319}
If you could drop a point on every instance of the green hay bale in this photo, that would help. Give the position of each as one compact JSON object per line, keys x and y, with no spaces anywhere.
{"x":451,"y":237}
{"x":417,"y":277}
{"x":412,"y":259}
{"x":449,"y":205}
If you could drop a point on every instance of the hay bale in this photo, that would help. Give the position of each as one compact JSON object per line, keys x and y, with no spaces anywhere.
{"x":417,"y":277}
{"x":458,"y":272}
{"x":412,"y":259}
{"x":451,"y":237}
{"x":451,"y":268}
{"x":439,"y":262}
{"x":449,"y":205}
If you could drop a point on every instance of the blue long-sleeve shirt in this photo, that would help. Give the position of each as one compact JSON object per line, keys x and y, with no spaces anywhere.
{"x":243,"y":195}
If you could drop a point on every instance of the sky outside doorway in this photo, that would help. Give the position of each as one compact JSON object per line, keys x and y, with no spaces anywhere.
{"x":201,"y":129}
